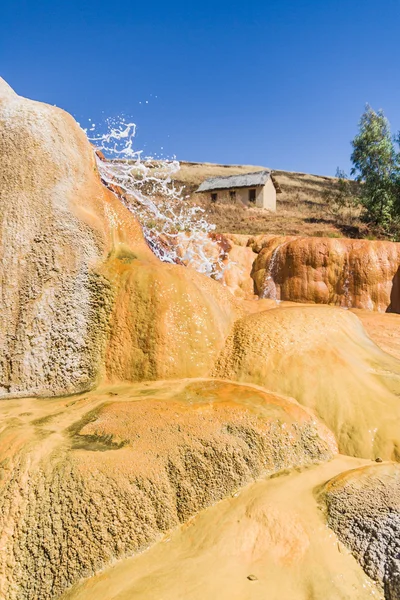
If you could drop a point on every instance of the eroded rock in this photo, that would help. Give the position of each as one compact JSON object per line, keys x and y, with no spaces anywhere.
{"x":363,"y":507}
{"x":98,"y":478}
{"x":322,"y":357}
{"x":83,"y":296}
{"x":344,"y":272}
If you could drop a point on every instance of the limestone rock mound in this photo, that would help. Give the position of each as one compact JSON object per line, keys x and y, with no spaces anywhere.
{"x":322,"y":357}
{"x":95,"y":478}
{"x":269,"y":541}
{"x":69,"y":272}
{"x":363,"y":507}
{"x":344,"y":272}
{"x":54,"y":305}
{"x":168,"y":321}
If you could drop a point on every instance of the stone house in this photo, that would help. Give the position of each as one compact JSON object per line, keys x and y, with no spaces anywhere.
{"x":252,"y":189}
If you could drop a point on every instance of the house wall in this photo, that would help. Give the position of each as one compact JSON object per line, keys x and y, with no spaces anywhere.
{"x":242,"y":195}
{"x":260,"y":196}
{"x":269,"y":196}
{"x":223,"y":196}
{"x":265,"y":196}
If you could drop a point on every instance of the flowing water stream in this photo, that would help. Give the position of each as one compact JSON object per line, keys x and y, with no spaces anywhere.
{"x":348,"y":275}
{"x":269,"y":288}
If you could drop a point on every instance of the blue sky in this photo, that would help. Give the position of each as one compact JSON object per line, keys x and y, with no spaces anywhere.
{"x":277,"y":83}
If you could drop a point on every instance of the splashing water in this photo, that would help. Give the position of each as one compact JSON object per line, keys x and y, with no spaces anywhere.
{"x":176,"y":231}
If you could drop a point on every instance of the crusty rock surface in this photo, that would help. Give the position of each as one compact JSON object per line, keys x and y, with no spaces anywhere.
{"x":90,"y":479}
{"x":168,"y":321}
{"x":321,"y":356}
{"x":344,"y":272}
{"x":54,"y":305}
{"x":363,"y":508}
{"x":382,"y":328}
{"x":237,"y":277}
{"x":82,"y":295}
{"x":272,"y":529}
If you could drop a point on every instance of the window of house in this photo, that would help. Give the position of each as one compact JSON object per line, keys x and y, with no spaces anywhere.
{"x":214,"y":197}
{"x":252,"y":196}
{"x":232,"y":195}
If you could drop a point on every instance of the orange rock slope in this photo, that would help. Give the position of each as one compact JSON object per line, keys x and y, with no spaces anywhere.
{"x":363,"y":508}
{"x":83,"y":297}
{"x":348,"y":273}
{"x":95,"y":467}
{"x":321,"y":356}
{"x":95,"y":478}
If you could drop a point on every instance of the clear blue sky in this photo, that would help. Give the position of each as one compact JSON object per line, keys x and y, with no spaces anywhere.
{"x":275,"y":82}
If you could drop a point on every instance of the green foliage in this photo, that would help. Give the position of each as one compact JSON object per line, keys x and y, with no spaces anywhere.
{"x":376,"y":164}
{"x":327,"y":233}
{"x":342,"y":199}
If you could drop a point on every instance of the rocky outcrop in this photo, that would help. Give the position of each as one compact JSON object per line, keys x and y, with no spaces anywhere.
{"x":321,"y":356}
{"x":229,"y":255}
{"x":363,"y":508}
{"x":92,"y":478}
{"x":344,"y":272}
{"x":268,"y":541}
{"x":96,"y":478}
{"x":237,"y":276}
{"x":168,"y":321}
{"x":54,"y":304}
{"x":382,"y":328}
{"x":70,"y":271}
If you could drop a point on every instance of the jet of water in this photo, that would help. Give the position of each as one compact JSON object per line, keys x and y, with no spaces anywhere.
{"x":176,"y":231}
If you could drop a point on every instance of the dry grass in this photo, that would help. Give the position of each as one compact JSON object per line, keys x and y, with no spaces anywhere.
{"x":302,"y":207}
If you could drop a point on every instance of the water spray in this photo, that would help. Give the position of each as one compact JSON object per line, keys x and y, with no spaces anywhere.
{"x":176,"y":231}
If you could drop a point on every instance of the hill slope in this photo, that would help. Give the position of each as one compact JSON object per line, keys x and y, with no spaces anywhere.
{"x":302,"y":207}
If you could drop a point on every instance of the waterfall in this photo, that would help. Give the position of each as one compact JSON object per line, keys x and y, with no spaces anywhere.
{"x":269,"y":287}
{"x":347,"y":277}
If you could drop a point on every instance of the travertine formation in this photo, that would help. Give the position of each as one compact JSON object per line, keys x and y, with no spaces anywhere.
{"x":100,"y":477}
{"x":167,"y":321}
{"x":269,"y":540}
{"x":54,"y":305}
{"x":83,"y":297}
{"x":363,"y":507}
{"x":321,"y":356}
{"x":95,"y":466}
{"x":348,"y":273}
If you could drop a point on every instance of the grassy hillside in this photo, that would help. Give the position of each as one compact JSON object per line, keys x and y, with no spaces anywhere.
{"x":302,"y":207}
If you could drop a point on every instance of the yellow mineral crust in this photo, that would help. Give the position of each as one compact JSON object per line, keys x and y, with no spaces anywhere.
{"x":90,"y":479}
{"x":139,"y":398}
{"x":321,"y":356}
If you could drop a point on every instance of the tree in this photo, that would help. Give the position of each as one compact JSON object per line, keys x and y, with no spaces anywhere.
{"x":377,"y":165}
{"x":342,"y":200}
